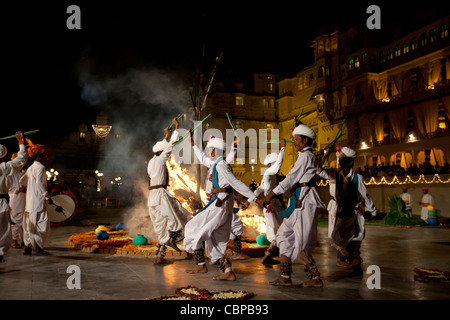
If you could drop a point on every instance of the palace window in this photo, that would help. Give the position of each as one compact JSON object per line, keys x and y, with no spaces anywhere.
{"x":364,"y":58}
{"x":444,"y":31}
{"x":423,"y":40}
{"x":82,"y":136}
{"x":433,"y":36}
{"x":389,"y":54}
{"x":414,"y":44}
{"x":405,"y":47}
{"x":350,"y":65}
{"x":397,"y":52}
{"x":321,"y":72}
{"x":382,"y":57}
{"x":356,"y":62}
{"x":239,"y":101}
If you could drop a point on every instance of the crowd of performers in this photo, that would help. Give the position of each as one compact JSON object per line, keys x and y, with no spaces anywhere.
{"x":291,"y":230}
{"x":23,"y":199}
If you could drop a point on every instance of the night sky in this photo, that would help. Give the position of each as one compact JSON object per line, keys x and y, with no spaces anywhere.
{"x":43,"y":61}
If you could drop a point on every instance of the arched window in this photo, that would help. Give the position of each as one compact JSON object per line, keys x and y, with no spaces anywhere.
{"x":356,"y":62}
{"x":405,"y":47}
{"x":443,"y":31}
{"x":423,"y":40}
{"x":389,"y":54}
{"x":382,"y":57}
{"x":414,"y":44}
{"x":397,"y":52}
{"x":364,"y":58}
{"x":350,"y":65}
{"x":433,"y":36}
{"x":321,"y":72}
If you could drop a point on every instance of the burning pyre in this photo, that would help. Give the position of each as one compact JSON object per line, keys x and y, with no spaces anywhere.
{"x":183,"y":187}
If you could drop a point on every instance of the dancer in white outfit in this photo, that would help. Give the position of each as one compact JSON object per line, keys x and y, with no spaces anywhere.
{"x":268,"y":183}
{"x":36,"y":225}
{"x":167,"y":214}
{"x":297,"y":235}
{"x":17,"y":194}
{"x":212,"y":224}
{"x":7,"y":169}
{"x":346,"y":230}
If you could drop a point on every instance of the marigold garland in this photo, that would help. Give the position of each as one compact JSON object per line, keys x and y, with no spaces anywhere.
{"x":194,"y":293}
{"x":121,"y":243}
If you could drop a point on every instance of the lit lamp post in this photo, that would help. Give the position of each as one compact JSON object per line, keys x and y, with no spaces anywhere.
{"x":99,"y":180}
{"x":52,"y":174}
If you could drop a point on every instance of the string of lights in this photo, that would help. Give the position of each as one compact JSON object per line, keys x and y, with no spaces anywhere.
{"x":436,"y":179}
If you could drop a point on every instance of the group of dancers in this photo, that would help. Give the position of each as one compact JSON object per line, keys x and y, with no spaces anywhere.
{"x":291,"y":230}
{"x":23,"y":196}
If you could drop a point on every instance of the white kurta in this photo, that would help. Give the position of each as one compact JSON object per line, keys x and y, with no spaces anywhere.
{"x":237,"y":227}
{"x":268,"y":183}
{"x":427,"y":199}
{"x":16,"y":203}
{"x":331,"y":174}
{"x":166,"y":212}
{"x":213,"y":224}
{"x":406,"y":197}
{"x":297,"y":235}
{"x":7,"y":169}
{"x":36,"y":225}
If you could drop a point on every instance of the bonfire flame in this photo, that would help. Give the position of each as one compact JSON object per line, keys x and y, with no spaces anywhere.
{"x":183,"y":188}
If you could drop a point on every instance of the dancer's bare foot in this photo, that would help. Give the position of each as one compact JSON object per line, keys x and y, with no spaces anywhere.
{"x":161,"y":260}
{"x":317,"y":282}
{"x":199,"y":268}
{"x":282,"y":281}
{"x":230,"y":276}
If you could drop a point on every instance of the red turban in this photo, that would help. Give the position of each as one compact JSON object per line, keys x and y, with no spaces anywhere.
{"x":36,"y":150}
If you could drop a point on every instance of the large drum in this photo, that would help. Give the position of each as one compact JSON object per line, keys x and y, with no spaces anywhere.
{"x":62,"y":205}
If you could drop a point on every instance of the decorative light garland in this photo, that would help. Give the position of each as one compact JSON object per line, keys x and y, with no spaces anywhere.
{"x":395,"y":180}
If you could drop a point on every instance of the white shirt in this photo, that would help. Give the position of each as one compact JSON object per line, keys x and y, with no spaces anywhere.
{"x":303,"y":171}
{"x":8,"y":168}
{"x":209,"y":163}
{"x":156,"y":168}
{"x":269,"y":180}
{"x":36,"y":187}
{"x":406,"y":197}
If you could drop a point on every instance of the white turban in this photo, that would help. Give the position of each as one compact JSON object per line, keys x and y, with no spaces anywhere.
{"x":3,"y":151}
{"x":160,"y":146}
{"x":346,"y":153}
{"x":304,"y":130}
{"x":270,"y":158}
{"x":216,"y":143}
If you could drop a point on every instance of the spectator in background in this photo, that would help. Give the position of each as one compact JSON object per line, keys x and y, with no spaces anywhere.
{"x":427,"y":199}
{"x":406,"y":197}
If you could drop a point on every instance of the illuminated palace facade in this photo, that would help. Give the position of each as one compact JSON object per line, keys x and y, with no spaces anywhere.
{"x":394,"y":93}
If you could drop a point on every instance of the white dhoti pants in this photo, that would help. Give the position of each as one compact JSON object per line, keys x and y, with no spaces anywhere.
{"x":273,"y":223}
{"x":168,"y":216}
{"x":212,"y":225}
{"x":297,"y":236}
{"x":5,"y":233}
{"x":36,"y":228}
{"x":237,"y":227}
{"x":16,"y":228}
